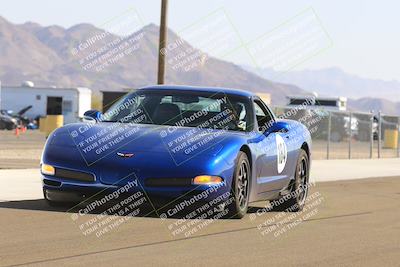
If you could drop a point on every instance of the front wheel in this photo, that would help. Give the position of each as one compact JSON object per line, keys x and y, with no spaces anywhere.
{"x":54,"y":204}
{"x":240,"y":187}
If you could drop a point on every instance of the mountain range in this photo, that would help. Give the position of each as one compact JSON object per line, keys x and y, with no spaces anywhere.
{"x":43,"y":55}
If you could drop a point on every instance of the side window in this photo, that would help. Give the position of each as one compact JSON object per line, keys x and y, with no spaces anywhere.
{"x":259,"y":111}
{"x":264,"y":117}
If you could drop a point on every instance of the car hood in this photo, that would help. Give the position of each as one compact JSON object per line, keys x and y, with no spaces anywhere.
{"x":142,"y":150}
{"x":96,"y":141}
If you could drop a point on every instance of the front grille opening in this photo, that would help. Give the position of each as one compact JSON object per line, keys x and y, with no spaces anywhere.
{"x":74,"y":175}
{"x":51,"y":183}
{"x":166,"y":182}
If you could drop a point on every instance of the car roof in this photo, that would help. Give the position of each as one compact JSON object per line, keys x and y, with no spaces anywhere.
{"x":201,"y":89}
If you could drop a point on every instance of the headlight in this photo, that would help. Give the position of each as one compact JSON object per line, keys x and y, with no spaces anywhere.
{"x":14,"y":120}
{"x":48,"y":169}
{"x":207,"y":180}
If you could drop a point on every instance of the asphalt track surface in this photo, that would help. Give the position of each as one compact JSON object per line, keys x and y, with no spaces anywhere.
{"x":347,"y":223}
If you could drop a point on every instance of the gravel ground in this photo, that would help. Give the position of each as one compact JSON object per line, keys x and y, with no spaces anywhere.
{"x":21,"y":152}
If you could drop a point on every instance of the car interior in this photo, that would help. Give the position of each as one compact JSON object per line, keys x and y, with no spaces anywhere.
{"x":188,"y":111}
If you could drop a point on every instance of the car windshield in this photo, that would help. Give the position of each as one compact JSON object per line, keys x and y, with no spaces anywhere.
{"x":182,"y":109}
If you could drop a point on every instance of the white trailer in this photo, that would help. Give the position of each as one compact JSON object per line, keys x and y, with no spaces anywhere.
{"x":70,"y":102}
{"x":318,"y":102}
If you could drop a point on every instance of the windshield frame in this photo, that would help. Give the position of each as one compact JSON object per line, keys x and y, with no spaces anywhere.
{"x":245,"y":100}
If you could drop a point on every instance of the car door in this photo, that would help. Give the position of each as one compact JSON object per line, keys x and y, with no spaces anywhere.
{"x":271,"y":150}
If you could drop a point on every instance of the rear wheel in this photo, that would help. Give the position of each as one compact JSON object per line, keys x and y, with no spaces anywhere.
{"x":298,"y":188}
{"x":240,"y":187}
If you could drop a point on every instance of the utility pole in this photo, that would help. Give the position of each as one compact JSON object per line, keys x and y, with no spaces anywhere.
{"x":162,"y":42}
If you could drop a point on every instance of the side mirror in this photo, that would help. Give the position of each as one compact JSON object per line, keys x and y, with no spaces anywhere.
{"x":92,"y":116}
{"x":278,"y":127}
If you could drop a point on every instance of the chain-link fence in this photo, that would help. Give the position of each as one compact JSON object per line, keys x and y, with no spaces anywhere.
{"x":344,"y":135}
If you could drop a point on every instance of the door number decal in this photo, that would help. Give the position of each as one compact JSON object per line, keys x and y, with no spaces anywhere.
{"x":281,"y":151}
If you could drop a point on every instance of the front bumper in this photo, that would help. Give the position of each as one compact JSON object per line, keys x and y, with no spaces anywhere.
{"x":63,"y":190}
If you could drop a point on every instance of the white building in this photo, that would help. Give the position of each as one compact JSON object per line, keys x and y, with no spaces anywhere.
{"x":70,"y":102}
{"x":319,"y":102}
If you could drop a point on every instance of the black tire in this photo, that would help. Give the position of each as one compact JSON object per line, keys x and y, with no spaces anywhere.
{"x":295,"y":200}
{"x":55,"y":204}
{"x":240,"y":187}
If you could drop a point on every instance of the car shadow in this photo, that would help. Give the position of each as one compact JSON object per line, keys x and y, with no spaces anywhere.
{"x":146,"y":210}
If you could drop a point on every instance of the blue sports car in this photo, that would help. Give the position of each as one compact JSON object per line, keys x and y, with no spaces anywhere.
{"x":181,"y":143}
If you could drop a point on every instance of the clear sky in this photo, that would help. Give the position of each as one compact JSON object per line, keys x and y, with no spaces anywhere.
{"x":365,"y":33}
